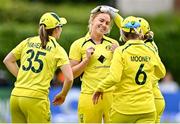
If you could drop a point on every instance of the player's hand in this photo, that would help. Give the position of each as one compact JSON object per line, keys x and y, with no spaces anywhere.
{"x":89,"y":52}
{"x":96,"y":96}
{"x":95,"y":10}
{"x":108,"y":9}
{"x":59,"y":99}
{"x":113,"y":47}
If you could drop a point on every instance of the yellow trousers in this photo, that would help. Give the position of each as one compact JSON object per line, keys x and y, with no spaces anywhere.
{"x":116,"y":117}
{"x":29,"y":110}
{"x":90,"y":113}
{"x":160,"y":105}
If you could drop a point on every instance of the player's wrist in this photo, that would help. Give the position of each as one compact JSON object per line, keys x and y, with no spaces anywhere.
{"x":86,"y":60}
{"x":63,"y":94}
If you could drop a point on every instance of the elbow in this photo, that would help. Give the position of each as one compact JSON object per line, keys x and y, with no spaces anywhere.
{"x":69,"y":79}
{"x":5,"y":61}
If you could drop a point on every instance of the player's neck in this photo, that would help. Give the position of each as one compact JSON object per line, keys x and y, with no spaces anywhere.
{"x":97,"y":38}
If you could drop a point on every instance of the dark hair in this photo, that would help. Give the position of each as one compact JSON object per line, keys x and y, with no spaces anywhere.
{"x":130,"y":35}
{"x":44,"y":35}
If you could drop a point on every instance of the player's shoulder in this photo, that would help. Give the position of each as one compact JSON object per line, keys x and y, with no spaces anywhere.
{"x":33,"y":38}
{"x":111,"y":40}
{"x":124,"y":47}
{"x":79,"y":42}
{"x":26,"y":40}
{"x":58,"y":46}
{"x":118,"y":50}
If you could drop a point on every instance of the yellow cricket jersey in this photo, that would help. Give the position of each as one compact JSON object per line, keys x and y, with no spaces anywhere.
{"x":156,"y":90}
{"x":131,"y":71}
{"x":37,"y":66}
{"x":99,"y":64}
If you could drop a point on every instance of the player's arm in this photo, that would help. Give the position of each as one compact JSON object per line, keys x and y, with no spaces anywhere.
{"x":160,"y":70}
{"x":114,"y":45}
{"x":11,"y":64}
{"x":78,"y":67}
{"x":118,"y":20}
{"x":13,"y":56}
{"x":114,"y":14}
{"x":113,"y":78}
{"x":68,"y":76}
{"x":63,"y":63}
{"x":115,"y":72}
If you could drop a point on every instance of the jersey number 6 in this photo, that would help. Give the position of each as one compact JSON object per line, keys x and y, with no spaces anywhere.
{"x":140,"y":72}
{"x":30,"y":66}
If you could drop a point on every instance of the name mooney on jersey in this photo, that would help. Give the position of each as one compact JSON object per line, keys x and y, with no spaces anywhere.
{"x":140,"y":58}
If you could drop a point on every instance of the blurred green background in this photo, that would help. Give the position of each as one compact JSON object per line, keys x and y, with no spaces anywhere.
{"x":19,"y":19}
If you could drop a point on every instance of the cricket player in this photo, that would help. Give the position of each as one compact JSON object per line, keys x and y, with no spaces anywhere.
{"x":131,"y":71}
{"x":90,"y":58}
{"x":39,"y":57}
{"x":149,"y":41}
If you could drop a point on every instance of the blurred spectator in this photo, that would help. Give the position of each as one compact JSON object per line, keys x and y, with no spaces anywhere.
{"x":58,"y":78}
{"x":168,"y":85}
{"x":3,"y":79}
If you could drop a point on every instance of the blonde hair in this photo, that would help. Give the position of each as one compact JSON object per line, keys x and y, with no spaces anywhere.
{"x":93,"y":16}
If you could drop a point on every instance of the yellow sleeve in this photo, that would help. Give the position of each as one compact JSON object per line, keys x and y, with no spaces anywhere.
{"x":160,"y":70}
{"x":75,"y":51}
{"x":118,"y":20}
{"x":61,"y":57}
{"x":115,"y":72}
{"x":18,"y":49}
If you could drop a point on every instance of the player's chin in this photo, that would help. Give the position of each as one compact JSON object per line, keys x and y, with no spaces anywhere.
{"x":102,"y":31}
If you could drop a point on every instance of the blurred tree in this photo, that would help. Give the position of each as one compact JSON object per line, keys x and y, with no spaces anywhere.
{"x":72,"y":1}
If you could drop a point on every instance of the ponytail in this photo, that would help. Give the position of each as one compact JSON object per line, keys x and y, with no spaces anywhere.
{"x":43,"y":36}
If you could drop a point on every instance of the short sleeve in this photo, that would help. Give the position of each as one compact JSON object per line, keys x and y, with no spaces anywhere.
{"x":61,"y":57}
{"x":75,"y":51}
{"x":17,"y":51}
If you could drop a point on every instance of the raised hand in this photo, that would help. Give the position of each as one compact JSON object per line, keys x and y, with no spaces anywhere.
{"x":89,"y":52}
{"x":113,"y":47}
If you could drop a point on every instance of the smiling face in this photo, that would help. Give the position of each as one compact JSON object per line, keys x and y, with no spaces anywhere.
{"x":100,"y":23}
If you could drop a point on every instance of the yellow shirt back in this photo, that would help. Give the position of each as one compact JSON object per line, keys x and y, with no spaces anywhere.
{"x":131,"y":71}
{"x":37,"y":66}
{"x":98,"y":67}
